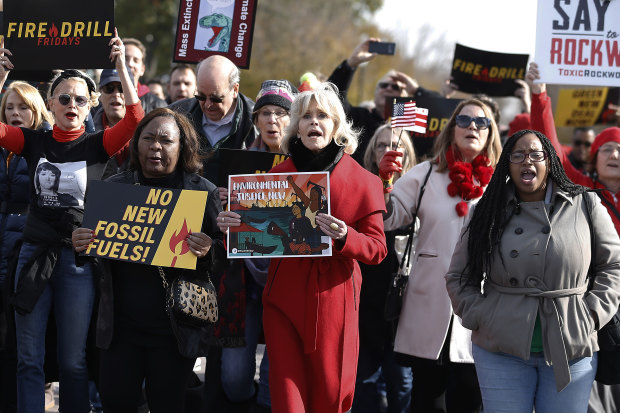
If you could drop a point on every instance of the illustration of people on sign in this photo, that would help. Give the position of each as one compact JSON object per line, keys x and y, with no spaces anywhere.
{"x":304,"y":237}
{"x":47,"y":182}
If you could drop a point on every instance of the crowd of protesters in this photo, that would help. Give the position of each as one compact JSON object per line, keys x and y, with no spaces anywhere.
{"x":499,"y":313}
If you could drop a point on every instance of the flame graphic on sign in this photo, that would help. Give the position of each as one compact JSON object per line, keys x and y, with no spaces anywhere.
{"x":179,"y":238}
{"x":53,"y":31}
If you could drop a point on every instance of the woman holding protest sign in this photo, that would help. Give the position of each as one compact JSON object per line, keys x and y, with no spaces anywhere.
{"x":46,"y":272}
{"x":271,"y":118}
{"x":429,"y":338}
{"x":311,"y":304}
{"x":134,"y":328}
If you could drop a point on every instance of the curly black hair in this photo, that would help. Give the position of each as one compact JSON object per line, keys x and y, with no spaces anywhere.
{"x":492,"y":213}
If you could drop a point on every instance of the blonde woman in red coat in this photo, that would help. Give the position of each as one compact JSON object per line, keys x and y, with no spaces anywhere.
{"x":311,"y":304}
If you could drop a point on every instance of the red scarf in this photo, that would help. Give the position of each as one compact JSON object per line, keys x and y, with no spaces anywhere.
{"x":462,"y":175}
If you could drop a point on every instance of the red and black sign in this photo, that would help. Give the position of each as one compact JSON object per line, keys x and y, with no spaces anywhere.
{"x":479,"y":71}
{"x":59,"y":34}
{"x":210,"y":27}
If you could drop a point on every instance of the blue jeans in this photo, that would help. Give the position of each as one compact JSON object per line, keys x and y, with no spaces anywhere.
{"x":71,"y":292}
{"x":239,"y":363}
{"x":510,"y":384}
{"x":372,"y":363}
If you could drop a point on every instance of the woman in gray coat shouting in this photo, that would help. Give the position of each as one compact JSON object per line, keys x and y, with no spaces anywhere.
{"x":519,"y":280}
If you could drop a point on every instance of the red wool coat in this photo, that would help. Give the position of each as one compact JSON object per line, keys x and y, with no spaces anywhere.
{"x":311,"y":305}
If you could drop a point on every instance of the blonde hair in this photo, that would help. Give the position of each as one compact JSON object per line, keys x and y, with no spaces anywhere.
{"x":326,"y":97}
{"x":493,"y":147}
{"x":32,"y":98}
{"x":409,"y":158}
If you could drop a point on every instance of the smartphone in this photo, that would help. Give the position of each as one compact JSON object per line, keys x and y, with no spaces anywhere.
{"x":382,"y":47}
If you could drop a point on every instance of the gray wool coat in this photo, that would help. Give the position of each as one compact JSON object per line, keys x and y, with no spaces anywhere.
{"x":543,"y":271}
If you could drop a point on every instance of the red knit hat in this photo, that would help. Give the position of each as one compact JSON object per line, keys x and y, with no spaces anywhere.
{"x":607,"y":135}
{"x":520,"y":122}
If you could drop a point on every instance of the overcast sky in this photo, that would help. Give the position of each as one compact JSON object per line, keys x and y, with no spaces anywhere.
{"x":499,"y":26}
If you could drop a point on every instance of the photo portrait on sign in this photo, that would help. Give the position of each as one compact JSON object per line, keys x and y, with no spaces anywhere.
{"x":214,"y":25}
{"x":60,"y":185}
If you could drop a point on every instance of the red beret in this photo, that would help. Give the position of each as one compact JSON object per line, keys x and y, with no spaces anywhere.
{"x":607,"y":135}
{"x":520,"y":122}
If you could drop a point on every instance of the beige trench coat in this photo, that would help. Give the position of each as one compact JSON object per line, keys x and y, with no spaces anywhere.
{"x":426,"y":314}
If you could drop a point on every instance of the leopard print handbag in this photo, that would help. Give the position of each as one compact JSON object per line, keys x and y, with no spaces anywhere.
{"x":192,"y":300}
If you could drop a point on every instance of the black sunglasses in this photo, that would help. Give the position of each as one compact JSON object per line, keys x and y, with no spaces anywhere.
{"x":213,"y":99}
{"x":111,"y":87}
{"x":587,"y":144}
{"x":481,"y":122}
{"x":393,"y":86}
{"x":65,"y":99}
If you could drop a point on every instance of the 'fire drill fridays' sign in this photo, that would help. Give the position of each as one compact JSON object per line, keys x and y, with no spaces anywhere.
{"x":59,"y":34}
{"x":577,"y":42}
{"x":146,"y":225}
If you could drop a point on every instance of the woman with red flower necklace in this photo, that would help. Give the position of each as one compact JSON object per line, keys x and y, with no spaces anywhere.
{"x":429,"y":338}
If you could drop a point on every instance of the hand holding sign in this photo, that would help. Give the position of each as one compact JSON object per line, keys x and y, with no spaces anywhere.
{"x":532,"y":75}
{"x":81,"y":238}
{"x":199,"y":243}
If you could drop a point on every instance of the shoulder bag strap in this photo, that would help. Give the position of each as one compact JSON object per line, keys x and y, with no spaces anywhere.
{"x":409,"y":246}
{"x":609,"y":205}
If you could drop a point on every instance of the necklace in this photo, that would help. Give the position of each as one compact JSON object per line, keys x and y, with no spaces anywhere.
{"x":462,"y":175}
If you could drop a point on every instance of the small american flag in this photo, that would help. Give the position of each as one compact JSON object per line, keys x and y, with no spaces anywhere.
{"x":403,"y":115}
{"x":409,"y":117}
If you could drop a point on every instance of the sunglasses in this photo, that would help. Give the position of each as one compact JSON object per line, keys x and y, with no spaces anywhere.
{"x":535,"y":156}
{"x":393,"y":86}
{"x":463,"y":121}
{"x":111,"y":87}
{"x":582,"y":143}
{"x":213,"y":99}
{"x":65,"y":99}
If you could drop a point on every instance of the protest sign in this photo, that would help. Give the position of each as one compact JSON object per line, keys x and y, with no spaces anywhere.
{"x":278,"y":215}
{"x":146,"y":225}
{"x":577,"y":42}
{"x":209,"y":27}
{"x":59,"y":34}
{"x":580,"y":107}
{"x":479,"y":71}
{"x":241,"y":162}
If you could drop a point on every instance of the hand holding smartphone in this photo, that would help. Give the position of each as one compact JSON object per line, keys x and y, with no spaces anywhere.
{"x":388,"y":48}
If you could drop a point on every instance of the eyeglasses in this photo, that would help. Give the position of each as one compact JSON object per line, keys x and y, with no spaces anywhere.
{"x":65,"y":99}
{"x":608,"y":150}
{"x":111,"y":87}
{"x":393,"y":86}
{"x":266,"y":114}
{"x":213,"y":99}
{"x":535,"y":156}
{"x":587,"y":144}
{"x":463,"y":121}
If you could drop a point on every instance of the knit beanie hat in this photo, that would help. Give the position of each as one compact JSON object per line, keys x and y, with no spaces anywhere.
{"x":275,"y":92}
{"x":607,"y":135}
